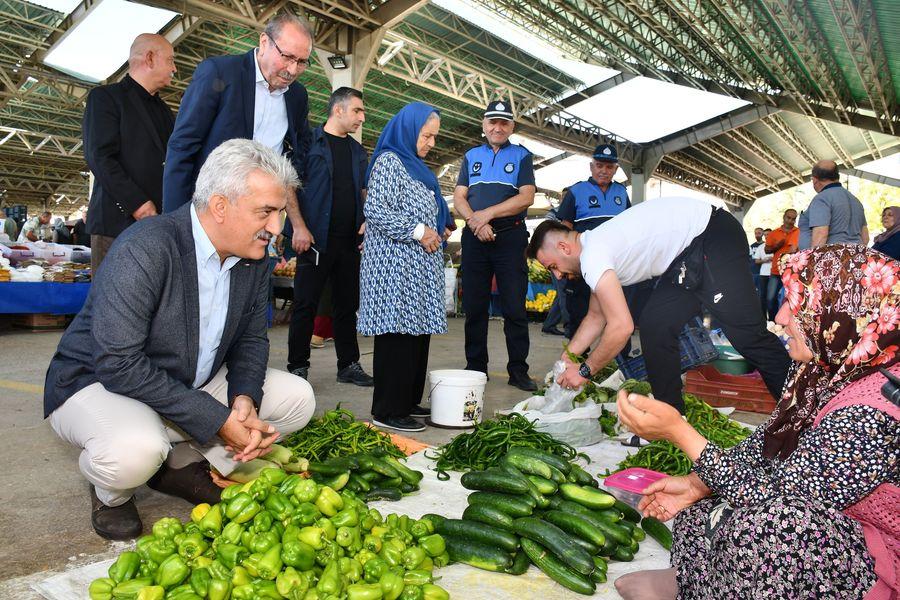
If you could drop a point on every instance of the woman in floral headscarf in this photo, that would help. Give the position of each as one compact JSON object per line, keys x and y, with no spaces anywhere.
{"x":808,"y":506}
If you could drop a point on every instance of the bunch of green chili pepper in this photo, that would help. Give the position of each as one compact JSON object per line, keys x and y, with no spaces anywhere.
{"x":489,"y":442}
{"x":338,"y":433}
{"x":716,"y":427}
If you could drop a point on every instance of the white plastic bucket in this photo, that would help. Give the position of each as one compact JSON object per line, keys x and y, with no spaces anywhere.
{"x":457,"y":397}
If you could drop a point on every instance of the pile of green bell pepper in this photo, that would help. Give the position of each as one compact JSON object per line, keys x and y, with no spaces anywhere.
{"x":284,"y":537}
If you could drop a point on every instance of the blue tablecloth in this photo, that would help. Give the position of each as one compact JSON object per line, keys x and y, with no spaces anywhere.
{"x":43,"y":297}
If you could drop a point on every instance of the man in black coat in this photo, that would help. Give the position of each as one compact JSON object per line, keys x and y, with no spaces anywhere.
{"x":125,"y":130}
{"x":171,"y":347}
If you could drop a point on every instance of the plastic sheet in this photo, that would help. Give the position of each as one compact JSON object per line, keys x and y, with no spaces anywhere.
{"x":446,"y":498}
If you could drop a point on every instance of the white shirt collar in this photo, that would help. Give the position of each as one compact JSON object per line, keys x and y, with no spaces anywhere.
{"x":203,"y":246}
{"x":261,"y":80}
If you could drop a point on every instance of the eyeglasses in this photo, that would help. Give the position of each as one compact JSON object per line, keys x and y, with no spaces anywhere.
{"x":289,"y":59}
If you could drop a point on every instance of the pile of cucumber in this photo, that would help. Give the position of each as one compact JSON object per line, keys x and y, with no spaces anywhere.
{"x":536,"y":508}
{"x":374,"y":476}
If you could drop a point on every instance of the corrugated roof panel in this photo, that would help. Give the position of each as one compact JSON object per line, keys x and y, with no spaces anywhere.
{"x":888,"y":16}
{"x":832,"y":30}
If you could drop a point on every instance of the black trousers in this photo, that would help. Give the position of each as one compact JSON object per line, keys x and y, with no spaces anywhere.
{"x":400,"y":365}
{"x":578,"y":300}
{"x":728,"y":293}
{"x":340,"y":265}
{"x":579,"y":294}
{"x":763,"y":289}
{"x":504,"y":258}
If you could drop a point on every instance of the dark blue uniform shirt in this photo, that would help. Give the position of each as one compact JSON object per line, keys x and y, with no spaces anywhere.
{"x":586,"y":205}
{"x":494,"y":177}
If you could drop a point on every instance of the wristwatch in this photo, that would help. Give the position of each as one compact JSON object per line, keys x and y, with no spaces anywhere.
{"x":585,"y":371}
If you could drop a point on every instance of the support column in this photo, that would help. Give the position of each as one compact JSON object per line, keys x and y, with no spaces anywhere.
{"x":741,"y":213}
{"x":359,"y":59}
{"x":640,"y":174}
{"x":638,"y":185}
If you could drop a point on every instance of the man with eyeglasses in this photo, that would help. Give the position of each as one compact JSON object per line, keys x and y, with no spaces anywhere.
{"x":255,"y":96}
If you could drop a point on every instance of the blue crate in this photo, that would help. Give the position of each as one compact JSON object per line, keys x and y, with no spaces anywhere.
{"x":536,"y":288}
{"x":696,"y":348}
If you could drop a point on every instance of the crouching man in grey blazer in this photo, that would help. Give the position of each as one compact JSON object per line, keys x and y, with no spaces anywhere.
{"x":171,"y":346}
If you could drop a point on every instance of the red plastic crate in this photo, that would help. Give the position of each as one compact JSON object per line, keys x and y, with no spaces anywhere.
{"x":744,"y":392}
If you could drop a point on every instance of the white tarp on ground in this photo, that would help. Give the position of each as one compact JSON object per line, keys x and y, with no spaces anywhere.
{"x":446,"y":498}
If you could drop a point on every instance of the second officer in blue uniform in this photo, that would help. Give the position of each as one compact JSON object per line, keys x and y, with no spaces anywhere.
{"x":493,"y":193}
{"x":586,"y":205}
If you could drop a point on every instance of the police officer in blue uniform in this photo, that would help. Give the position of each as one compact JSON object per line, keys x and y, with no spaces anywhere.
{"x":493,"y":193}
{"x":586,"y":205}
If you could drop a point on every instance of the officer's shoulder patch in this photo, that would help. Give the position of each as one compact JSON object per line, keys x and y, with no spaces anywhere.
{"x":476,"y":167}
{"x":509,"y":167}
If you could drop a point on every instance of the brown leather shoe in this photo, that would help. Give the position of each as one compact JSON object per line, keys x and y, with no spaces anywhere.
{"x":115,"y":522}
{"x":193,"y":483}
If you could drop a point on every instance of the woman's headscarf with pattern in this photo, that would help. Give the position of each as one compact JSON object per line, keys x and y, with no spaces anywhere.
{"x":846,"y":301}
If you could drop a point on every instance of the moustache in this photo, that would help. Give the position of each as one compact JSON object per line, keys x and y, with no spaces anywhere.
{"x":263,"y":235}
{"x":287,"y":75}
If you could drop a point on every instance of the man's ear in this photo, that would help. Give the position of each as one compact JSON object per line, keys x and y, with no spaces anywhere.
{"x":218,"y":207}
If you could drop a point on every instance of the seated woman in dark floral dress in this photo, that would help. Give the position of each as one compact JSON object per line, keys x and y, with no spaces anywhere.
{"x":809,"y":505}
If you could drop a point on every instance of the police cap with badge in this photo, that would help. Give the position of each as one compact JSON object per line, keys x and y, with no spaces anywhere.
{"x":606,"y":153}
{"x":498,"y":109}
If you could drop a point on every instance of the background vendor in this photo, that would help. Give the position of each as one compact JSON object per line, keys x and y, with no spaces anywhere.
{"x":806,"y":507}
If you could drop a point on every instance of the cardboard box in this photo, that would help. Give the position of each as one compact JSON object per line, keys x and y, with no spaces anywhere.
{"x":40,"y":321}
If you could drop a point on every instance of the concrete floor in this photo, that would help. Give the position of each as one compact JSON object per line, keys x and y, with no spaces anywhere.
{"x":44,"y":504}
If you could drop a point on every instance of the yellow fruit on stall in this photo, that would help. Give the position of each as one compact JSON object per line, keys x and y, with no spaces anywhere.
{"x":542,"y":301}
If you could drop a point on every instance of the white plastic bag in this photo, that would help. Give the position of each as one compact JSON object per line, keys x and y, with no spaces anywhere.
{"x":556,"y":398}
{"x":554,"y":413}
{"x":450,"y":290}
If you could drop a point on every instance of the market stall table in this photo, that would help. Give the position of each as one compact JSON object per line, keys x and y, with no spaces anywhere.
{"x":42,"y":297}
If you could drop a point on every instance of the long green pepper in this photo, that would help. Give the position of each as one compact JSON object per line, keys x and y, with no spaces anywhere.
{"x":338,"y":433}
{"x":489,"y":442}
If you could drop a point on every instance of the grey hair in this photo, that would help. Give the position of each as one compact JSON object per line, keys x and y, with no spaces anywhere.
{"x":434,"y":115}
{"x":276,"y":23}
{"x":227,"y":168}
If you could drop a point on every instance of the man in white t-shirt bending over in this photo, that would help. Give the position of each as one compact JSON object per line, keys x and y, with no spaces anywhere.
{"x":699,"y":255}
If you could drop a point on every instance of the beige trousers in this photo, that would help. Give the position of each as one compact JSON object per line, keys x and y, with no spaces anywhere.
{"x":124,"y":441}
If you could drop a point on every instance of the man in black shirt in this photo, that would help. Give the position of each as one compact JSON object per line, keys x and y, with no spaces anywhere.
{"x":126,"y":128}
{"x":332,"y":206}
{"x":80,"y":236}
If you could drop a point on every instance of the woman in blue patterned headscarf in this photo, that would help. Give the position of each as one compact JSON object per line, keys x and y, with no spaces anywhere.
{"x":401,"y":276}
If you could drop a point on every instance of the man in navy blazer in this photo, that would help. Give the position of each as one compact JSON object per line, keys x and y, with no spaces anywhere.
{"x":254,"y":96}
{"x":171,"y":348}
